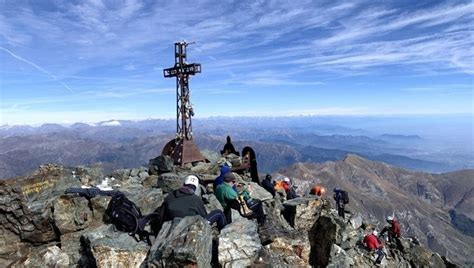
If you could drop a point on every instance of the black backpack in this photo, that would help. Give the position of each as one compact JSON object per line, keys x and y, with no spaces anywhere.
{"x":127,"y":217}
{"x":345,"y":197}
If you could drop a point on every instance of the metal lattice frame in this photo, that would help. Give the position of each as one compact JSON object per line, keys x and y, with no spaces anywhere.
{"x":182,"y":70}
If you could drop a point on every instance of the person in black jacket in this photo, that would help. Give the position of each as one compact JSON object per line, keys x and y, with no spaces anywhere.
{"x":339,"y":198}
{"x":183,"y":202}
{"x":267,"y":184}
{"x":229,"y":148}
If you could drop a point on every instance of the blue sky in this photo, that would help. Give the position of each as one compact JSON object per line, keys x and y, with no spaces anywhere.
{"x":88,"y":61}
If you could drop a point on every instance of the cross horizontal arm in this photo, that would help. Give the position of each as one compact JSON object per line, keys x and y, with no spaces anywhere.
{"x":189,"y":69}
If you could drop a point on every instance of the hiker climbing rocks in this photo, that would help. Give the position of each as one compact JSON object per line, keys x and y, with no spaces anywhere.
{"x":183,"y":202}
{"x":342,"y":198}
{"x":220,"y":179}
{"x":318,"y":190}
{"x":393,"y":229}
{"x":229,"y":148}
{"x":373,"y":245}
{"x":267,"y":184}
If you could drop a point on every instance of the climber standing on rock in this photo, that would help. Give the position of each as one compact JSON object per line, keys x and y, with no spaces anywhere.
{"x":183,"y":202}
{"x":342,"y":198}
{"x":393,"y":229}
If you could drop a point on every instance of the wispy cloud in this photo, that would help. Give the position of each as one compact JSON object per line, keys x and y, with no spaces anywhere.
{"x":113,"y":50}
{"x":37,"y":67}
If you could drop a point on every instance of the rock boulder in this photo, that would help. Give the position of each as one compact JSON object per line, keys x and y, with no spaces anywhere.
{"x":181,"y":243}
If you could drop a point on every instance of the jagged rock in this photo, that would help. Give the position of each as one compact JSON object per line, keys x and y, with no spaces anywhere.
{"x":182,"y":242}
{"x":202,"y":167}
{"x":71,"y":245}
{"x":51,"y":256}
{"x":322,"y":236}
{"x":150,"y":181}
{"x":143,"y":175}
{"x":301,"y":212}
{"x":99,"y":205}
{"x":339,"y":258}
{"x":161,"y":164}
{"x":422,"y":257}
{"x":147,"y":199}
{"x":207,"y":177}
{"x":169,"y":182}
{"x":295,"y":251}
{"x":239,"y":243}
{"x":71,"y":213}
{"x":355,"y":221}
{"x":134,"y":172}
{"x":258,"y":192}
{"x":114,"y":249}
{"x":55,"y":257}
{"x":211,"y":203}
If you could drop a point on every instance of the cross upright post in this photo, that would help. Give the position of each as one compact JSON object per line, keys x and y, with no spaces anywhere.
{"x":182,"y":149}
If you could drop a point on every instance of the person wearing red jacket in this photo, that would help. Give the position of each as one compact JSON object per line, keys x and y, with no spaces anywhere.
{"x":393,"y":229}
{"x":372,"y":243}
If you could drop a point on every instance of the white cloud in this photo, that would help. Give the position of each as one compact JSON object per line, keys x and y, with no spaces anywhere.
{"x":37,"y":67}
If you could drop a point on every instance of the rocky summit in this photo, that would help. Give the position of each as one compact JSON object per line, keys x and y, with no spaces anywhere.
{"x":41,"y":226}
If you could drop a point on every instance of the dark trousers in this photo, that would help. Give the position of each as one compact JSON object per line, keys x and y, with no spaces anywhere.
{"x":257,"y":210}
{"x":380,"y":255}
{"x":216,"y":216}
{"x":228,"y":215}
{"x":340,"y":211}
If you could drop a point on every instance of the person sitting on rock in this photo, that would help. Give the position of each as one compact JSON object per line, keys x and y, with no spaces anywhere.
{"x":393,"y":229}
{"x":267,"y":184}
{"x":220,"y":179}
{"x":183,"y":202}
{"x":373,"y":245}
{"x":227,"y":196}
{"x":229,"y":148}
{"x":255,"y":205}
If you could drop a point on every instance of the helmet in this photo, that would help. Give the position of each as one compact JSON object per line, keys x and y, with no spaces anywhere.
{"x":192,"y":180}
{"x":336,"y":189}
{"x":389,"y":218}
{"x":268,"y":177}
{"x":286,"y":179}
{"x":375,"y":233}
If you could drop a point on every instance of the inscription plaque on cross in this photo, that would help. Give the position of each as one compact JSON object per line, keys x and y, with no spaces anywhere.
{"x":183,"y":149}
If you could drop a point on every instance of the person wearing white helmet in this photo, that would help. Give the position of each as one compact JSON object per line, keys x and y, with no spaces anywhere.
{"x":373,"y":244}
{"x":183,"y":202}
{"x":393,"y":229}
{"x":289,"y":189}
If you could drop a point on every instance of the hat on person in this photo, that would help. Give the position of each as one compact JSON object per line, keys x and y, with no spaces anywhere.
{"x":375,"y":233}
{"x":228,"y":177}
{"x":192,"y":180}
{"x":389,"y":218}
{"x":286,"y":179}
{"x":268,"y":177}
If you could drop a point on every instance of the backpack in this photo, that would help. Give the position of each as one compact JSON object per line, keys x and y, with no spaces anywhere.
{"x":127,"y":217}
{"x":345,"y":197}
{"x":244,"y":210}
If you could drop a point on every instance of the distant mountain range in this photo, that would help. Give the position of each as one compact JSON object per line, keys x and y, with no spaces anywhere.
{"x":278,"y":142}
{"x":435,"y":208}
